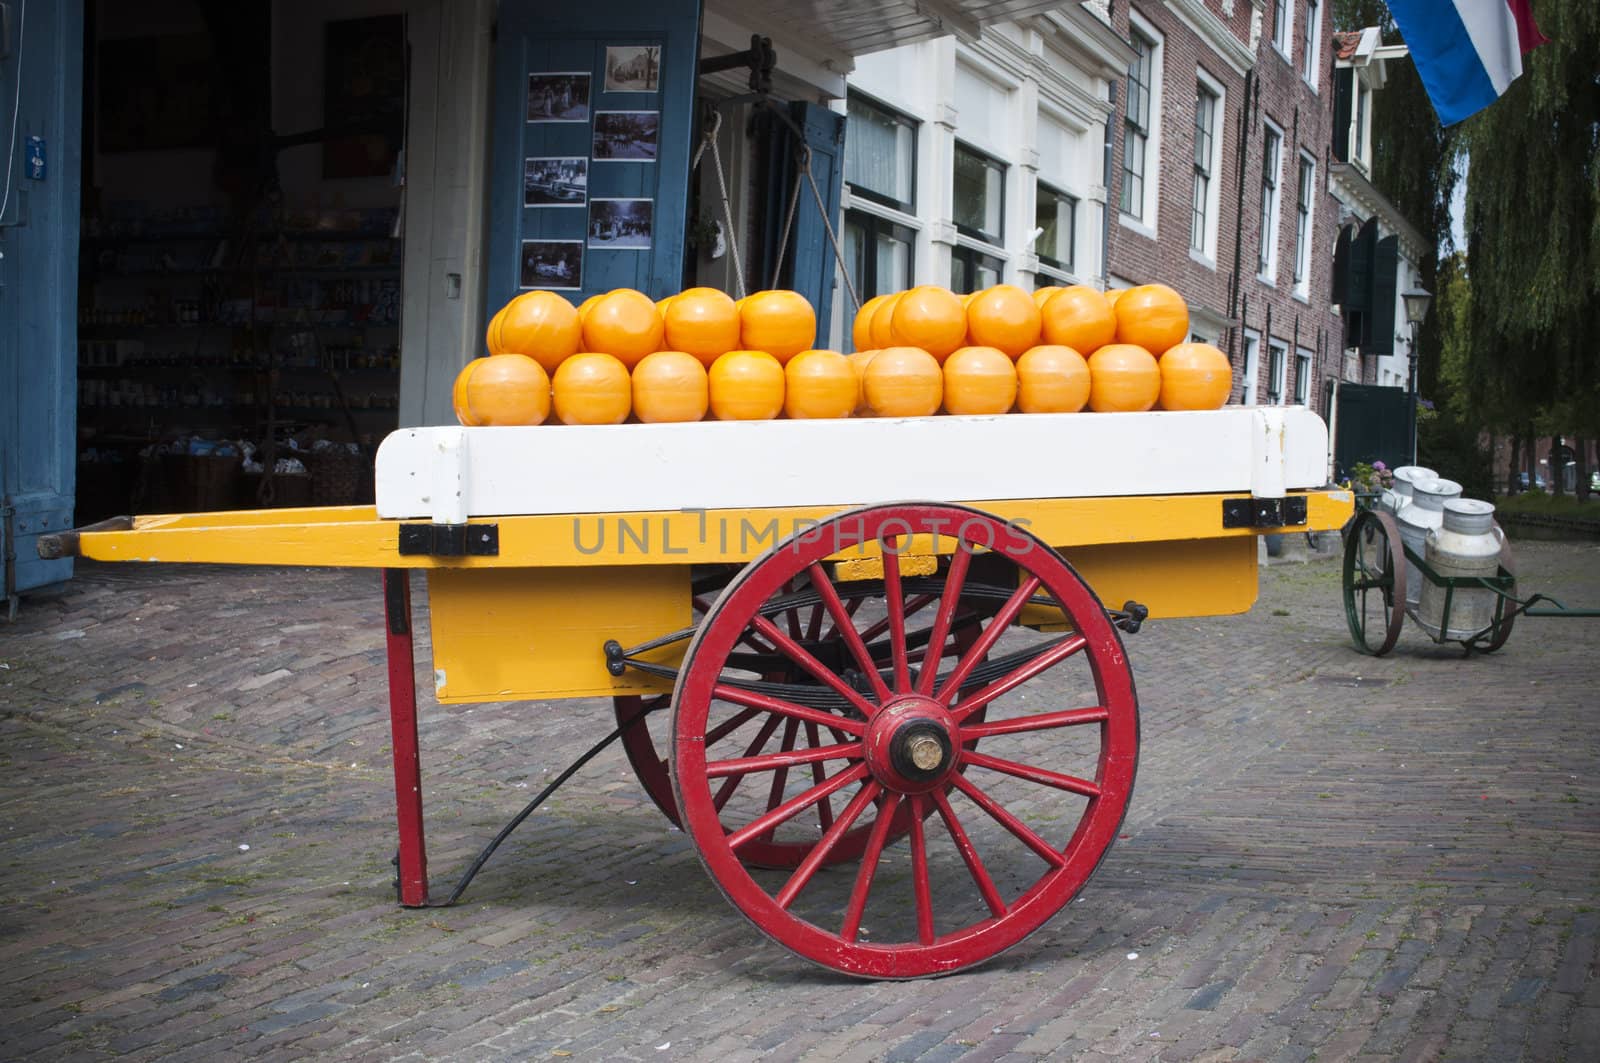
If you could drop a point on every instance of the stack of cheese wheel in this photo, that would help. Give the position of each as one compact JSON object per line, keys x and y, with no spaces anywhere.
{"x":620,"y":357}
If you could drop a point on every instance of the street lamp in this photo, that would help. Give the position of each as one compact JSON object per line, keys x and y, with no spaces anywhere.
{"x":1417,"y":301}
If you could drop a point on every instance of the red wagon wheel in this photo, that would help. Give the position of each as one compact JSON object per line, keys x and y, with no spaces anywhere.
{"x":999,"y":841}
{"x":643,"y":721}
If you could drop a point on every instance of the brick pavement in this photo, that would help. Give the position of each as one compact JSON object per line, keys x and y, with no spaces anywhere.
{"x":1326,"y":856}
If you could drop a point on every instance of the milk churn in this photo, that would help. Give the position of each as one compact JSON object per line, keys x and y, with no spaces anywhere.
{"x":1398,"y":497}
{"x":1424,"y":514}
{"x":1464,"y":544}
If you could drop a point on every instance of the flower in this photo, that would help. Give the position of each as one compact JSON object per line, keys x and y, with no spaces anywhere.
{"x":1379,"y":466}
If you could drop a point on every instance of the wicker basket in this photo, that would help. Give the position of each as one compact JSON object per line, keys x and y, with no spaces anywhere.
{"x":339,"y":478}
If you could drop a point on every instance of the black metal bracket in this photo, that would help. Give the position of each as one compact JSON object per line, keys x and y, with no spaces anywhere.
{"x":449,"y":540}
{"x":1263,"y":512}
{"x":760,"y":58}
{"x":616,"y":657}
{"x":1131,"y":617}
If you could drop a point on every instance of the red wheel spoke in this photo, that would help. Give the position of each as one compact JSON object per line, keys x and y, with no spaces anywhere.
{"x":969,"y":853}
{"x":869,"y":867}
{"x":851,"y":607}
{"x":914,"y":606}
{"x":1023,"y":832}
{"x":814,"y":624}
{"x":919,"y":873}
{"x":949,"y":598}
{"x":726,"y":790}
{"x":1042,"y":776}
{"x":894,"y":598}
{"x":1018,"y":676}
{"x":844,"y":625}
{"x":793,"y":614}
{"x":1043,"y":721}
{"x":808,"y":868}
{"x":795,"y":805}
{"x":755,"y":643}
{"x":985,"y":642}
{"x":727,"y":727}
{"x":819,"y":671}
{"x":740,"y":696}
{"x":825,"y":806}
{"x":791,"y":758}
{"x":780,"y":777}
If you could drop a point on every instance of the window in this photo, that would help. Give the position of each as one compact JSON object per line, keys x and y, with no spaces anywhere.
{"x":1308,"y":60}
{"x":1138,"y":128}
{"x":1205,"y":125}
{"x":1279,"y":355}
{"x":1252,"y":365}
{"x":971,"y":270}
{"x":1302,"y":376}
{"x":1302,"y":222}
{"x":1358,"y":150}
{"x":1267,"y":261}
{"x":880,"y":155}
{"x":1282,"y":25}
{"x":979,"y":195}
{"x":1056,"y":213}
{"x":877,"y":252}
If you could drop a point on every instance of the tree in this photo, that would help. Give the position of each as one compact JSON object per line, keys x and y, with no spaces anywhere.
{"x":1533,"y":229}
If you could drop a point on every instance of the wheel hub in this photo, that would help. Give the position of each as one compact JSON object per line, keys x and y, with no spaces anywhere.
{"x":909,"y":745}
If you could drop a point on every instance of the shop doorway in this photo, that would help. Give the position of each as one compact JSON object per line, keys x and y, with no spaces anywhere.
{"x":240,"y":261}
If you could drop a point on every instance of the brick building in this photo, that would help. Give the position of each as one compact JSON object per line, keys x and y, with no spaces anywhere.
{"x":1220,"y":182}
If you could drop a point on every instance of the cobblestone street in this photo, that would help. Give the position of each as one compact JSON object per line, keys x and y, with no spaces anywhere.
{"x":1328,"y":855}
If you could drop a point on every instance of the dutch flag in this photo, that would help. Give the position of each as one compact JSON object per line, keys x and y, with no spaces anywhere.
{"x":1467,"y":51}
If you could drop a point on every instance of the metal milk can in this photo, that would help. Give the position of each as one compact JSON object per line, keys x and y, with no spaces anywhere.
{"x":1423,"y":515}
{"x":1398,"y":497}
{"x":1466,"y":543}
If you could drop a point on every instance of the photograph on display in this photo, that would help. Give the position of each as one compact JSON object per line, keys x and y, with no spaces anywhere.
{"x":625,"y":136}
{"x":633,"y":68}
{"x":558,"y":97}
{"x":556,"y":264}
{"x":555,"y":182}
{"x":618,"y":224}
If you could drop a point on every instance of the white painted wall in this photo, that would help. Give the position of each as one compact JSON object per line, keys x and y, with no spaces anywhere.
{"x":1017,"y":98}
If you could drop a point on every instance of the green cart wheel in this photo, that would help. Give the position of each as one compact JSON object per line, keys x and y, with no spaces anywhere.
{"x":1504,"y":614}
{"x":1374,"y":582}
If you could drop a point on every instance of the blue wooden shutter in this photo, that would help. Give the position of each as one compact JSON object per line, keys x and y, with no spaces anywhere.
{"x":538,"y":38}
{"x":808,"y":266}
{"x":38,"y":294}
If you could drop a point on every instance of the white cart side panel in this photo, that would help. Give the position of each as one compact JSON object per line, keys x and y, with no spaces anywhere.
{"x":738,"y":465}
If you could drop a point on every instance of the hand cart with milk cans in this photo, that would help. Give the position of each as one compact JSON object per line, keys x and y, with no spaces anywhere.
{"x":1465,"y":592}
{"x":900,"y":734}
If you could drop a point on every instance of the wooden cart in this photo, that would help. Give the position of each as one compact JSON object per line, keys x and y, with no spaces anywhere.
{"x":900,"y":734}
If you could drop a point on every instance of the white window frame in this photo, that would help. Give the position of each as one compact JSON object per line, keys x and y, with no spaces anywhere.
{"x":1282,"y":29}
{"x":1249,"y":378}
{"x":1271,"y":206}
{"x":977,"y":237}
{"x":1150,"y":182}
{"x":1361,"y":127}
{"x":1207,"y":255}
{"x":1302,"y":377}
{"x":1309,"y":64}
{"x":1277,"y":368}
{"x":1069,"y":271}
{"x":1305,"y":231}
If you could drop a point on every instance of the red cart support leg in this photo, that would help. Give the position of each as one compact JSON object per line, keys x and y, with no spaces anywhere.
{"x":413,"y":859}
